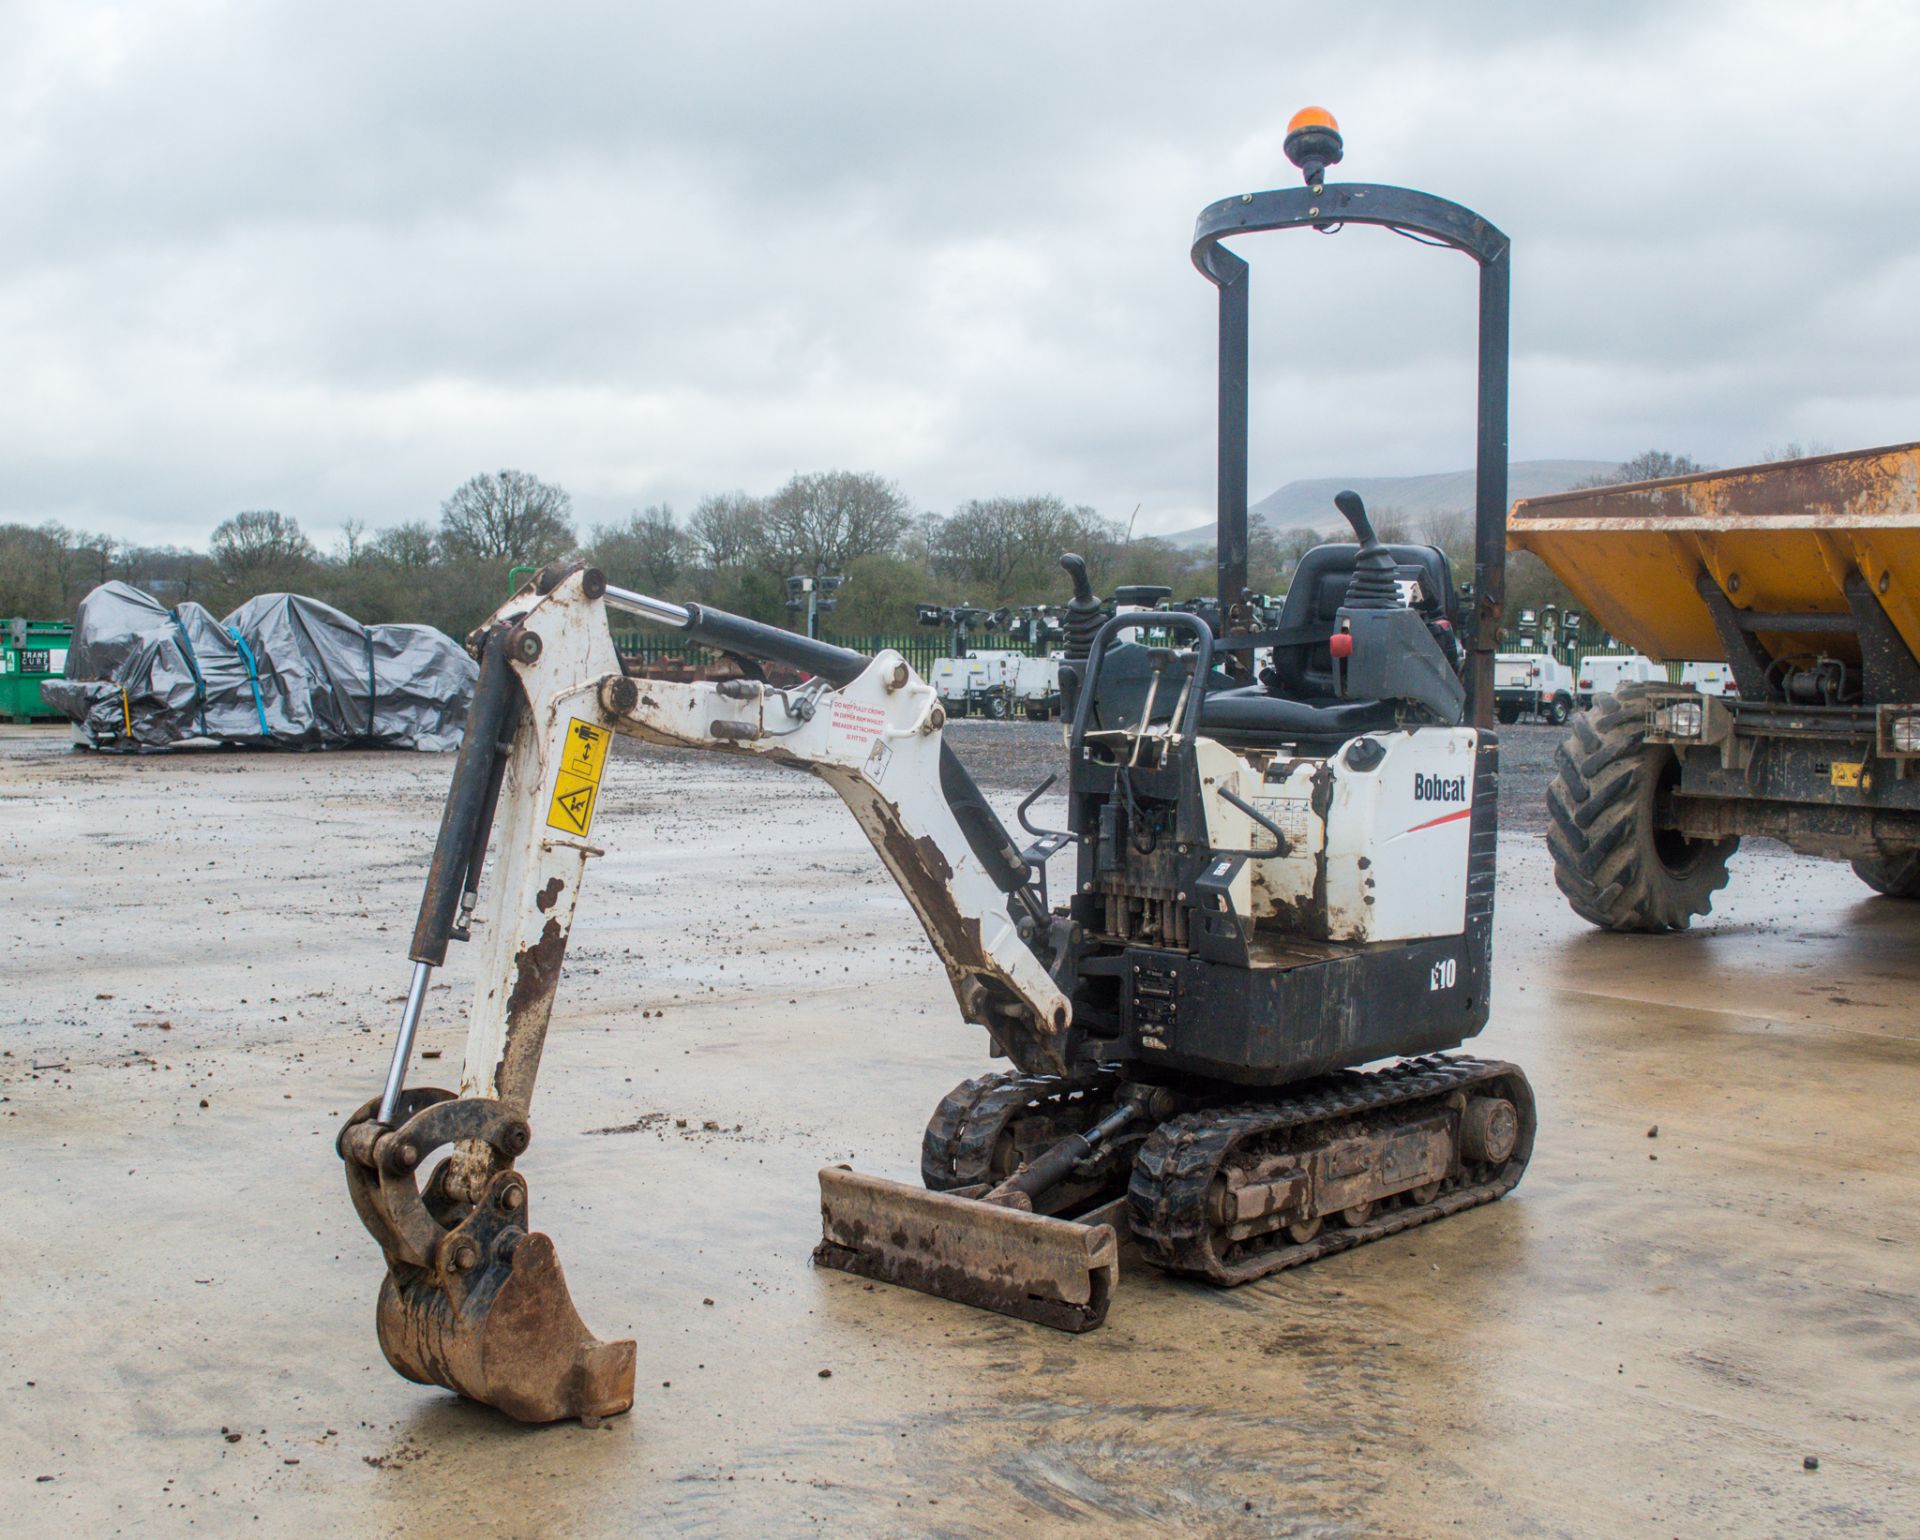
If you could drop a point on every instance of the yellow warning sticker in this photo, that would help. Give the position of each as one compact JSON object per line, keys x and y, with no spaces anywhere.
{"x":586,"y":752}
{"x":578,"y":784}
{"x":1845,"y":774}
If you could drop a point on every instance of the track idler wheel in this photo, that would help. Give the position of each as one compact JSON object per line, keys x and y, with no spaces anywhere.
{"x":472,"y":1299}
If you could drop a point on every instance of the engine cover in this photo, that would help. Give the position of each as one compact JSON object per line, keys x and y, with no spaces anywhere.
{"x":1378,"y":835}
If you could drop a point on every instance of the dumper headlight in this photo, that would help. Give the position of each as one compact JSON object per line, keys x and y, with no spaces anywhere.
{"x":1904,"y":734}
{"x":1679,"y":719}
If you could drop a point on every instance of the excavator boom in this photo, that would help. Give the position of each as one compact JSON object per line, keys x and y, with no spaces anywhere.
{"x":475,"y":1302}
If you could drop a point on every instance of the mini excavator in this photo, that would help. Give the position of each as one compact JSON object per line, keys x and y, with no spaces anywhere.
{"x":1283,"y":839}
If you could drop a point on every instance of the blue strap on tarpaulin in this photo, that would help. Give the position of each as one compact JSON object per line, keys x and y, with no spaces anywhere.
{"x":253,"y":676}
{"x":373,"y":688}
{"x":193,"y":663}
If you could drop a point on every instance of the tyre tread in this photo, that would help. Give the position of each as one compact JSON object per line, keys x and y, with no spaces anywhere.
{"x":1600,"y":827}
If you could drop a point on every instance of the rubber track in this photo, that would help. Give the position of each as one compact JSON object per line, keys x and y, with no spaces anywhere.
{"x":1167,"y":1199}
{"x":957,"y":1148}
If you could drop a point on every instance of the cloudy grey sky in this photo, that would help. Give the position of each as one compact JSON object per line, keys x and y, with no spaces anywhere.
{"x":335,"y":258}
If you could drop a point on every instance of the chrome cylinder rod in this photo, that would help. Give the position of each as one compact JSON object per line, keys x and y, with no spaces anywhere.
{"x":403,"y":1049}
{"x":648,"y":608}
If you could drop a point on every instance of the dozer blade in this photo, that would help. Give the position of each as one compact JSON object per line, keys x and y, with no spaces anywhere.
{"x":1056,"y":1272}
{"x":513,"y":1341}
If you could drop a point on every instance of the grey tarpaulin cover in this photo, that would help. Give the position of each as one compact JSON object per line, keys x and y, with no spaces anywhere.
{"x":281,"y":671}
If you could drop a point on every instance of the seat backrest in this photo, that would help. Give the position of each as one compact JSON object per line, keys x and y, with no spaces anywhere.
{"x":1304,"y":671}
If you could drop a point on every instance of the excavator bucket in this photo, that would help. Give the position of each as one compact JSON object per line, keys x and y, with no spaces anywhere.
{"x":1056,"y":1272}
{"x":513,"y":1340}
{"x":474,"y":1300}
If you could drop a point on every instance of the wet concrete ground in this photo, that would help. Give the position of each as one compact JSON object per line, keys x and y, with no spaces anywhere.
{"x":1648,"y":1337}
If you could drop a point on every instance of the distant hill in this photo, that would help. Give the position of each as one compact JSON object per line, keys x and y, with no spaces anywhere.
{"x":1310,"y":503}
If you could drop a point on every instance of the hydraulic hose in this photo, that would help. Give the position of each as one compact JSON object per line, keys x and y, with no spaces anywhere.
{"x":986,"y":835}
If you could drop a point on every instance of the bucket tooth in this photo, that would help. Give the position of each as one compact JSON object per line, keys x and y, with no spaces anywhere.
{"x":1056,"y":1272}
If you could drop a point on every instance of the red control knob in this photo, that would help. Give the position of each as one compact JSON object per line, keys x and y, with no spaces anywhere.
{"x":1340,"y":644}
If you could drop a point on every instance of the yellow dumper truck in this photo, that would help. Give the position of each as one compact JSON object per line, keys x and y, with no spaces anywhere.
{"x":1804,"y":576}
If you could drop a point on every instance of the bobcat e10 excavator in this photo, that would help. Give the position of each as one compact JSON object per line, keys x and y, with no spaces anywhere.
{"x":1284,"y":871}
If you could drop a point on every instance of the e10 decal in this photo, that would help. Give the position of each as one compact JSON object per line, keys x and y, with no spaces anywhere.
{"x":1445,"y":974}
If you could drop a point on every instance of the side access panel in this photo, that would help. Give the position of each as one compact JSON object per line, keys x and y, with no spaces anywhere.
{"x":1182,"y":1015}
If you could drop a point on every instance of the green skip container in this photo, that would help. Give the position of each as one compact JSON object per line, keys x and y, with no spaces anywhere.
{"x":30,"y":651}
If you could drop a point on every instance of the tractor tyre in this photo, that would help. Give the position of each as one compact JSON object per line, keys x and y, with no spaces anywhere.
{"x":1618,"y":869}
{"x":1896,"y":876}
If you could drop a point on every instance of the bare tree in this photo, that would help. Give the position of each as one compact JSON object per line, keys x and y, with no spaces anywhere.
{"x":1391,"y":524}
{"x":1452,"y":532}
{"x":507,"y":516}
{"x":1272,"y":554}
{"x":1005,"y":548}
{"x":261,"y":549}
{"x":924,"y":538}
{"x":101,"y":555}
{"x":1266,"y":564}
{"x":166,"y":571}
{"x":1302,"y":538}
{"x":413,"y":544}
{"x":1656,"y":463}
{"x":1649,"y":465}
{"x":824,"y":521}
{"x":32,"y":576}
{"x":647,"y":550}
{"x":725,"y":530}
{"x":1145,"y":559}
{"x":1793,"y":449}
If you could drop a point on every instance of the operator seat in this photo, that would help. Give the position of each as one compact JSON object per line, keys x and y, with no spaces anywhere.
{"x":1297,"y":700}
{"x":1304,"y":671}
